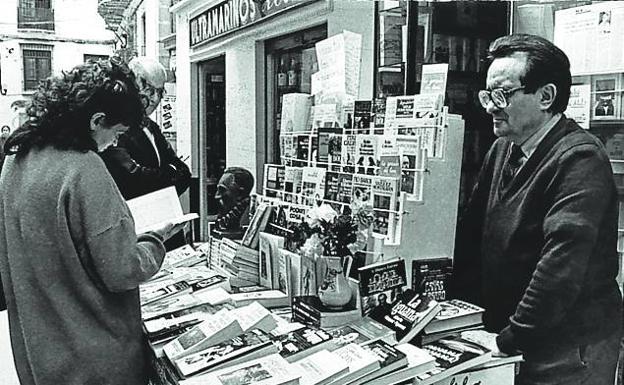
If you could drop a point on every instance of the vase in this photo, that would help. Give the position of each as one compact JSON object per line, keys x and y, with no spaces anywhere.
{"x":335,"y":291}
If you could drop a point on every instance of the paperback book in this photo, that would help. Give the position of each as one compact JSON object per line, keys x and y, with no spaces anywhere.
{"x":452,"y":355}
{"x":408,"y":315}
{"x":366,"y":154}
{"x":418,"y":361}
{"x":385,"y":193}
{"x":348,"y":153}
{"x":335,"y":151}
{"x":360,"y":362}
{"x":268,"y":370}
{"x":381,"y":284}
{"x":313,"y":188}
{"x":253,"y":344}
{"x":455,"y":314}
{"x":431,"y":277}
{"x":362,"y":190}
{"x":293,"y":177}
{"x":390,"y":359}
{"x":269,"y":255}
{"x":309,"y":310}
{"x":302,"y":342}
{"x":362,"y":117}
{"x":218,"y":328}
{"x":320,"y":368}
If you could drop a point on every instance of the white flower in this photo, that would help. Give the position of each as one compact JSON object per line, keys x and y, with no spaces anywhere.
{"x":323,"y":212}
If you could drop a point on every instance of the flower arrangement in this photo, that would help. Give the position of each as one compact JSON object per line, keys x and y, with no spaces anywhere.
{"x":325,"y":232}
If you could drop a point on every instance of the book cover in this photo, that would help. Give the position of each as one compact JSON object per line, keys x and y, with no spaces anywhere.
{"x":362,"y":110}
{"x":360,"y":362}
{"x":268,"y":254}
{"x":257,"y":224}
{"x":418,"y":361}
{"x":408,"y":315}
{"x":379,"y":113}
{"x":385,"y":193}
{"x":455,"y":314}
{"x":345,"y":187}
{"x":431,"y":277}
{"x":292,"y":183}
{"x":310,"y":311}
{"x":373,"y":330}
{"x":219,"y":327}
{"x":184,"y":255}
{"x":413,"y":163}
{"x":301,"y":343}
{"x":254,"y":316}
{"x":390,"y":359}
{"x":303,"y":144}
{"x":253,"y":344}
{"x":267,"y":298}
{"x":283,"y":282}
{"x":273,"y":180}
{"x":331,"y":186}
{"x":313,"y":182}
{"x":177,"y":288}
{"x":366,"y":154}
{"x":287,"y":149}
{"x":334,"y":148}
{"x":452,"y":355}
{"x":176,"y":304}
{"x":348,"y":153}
{"x":268,"y":370}
{"x":381,"y":284}
{"x":362,"y":187}
{"x":320,"y":368}
{"x":158,"y":328}
{"x":324,"y":135}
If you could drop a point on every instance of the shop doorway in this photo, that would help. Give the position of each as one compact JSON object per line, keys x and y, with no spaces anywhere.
{"x":212,"y":136}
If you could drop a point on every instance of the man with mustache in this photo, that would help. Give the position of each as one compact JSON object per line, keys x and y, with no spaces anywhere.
{"x":537,"y":244}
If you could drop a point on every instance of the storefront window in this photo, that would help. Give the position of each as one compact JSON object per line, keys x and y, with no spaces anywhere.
{"x":291,"y":61}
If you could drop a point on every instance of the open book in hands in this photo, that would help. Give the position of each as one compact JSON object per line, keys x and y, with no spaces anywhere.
{"x":155,"y":210}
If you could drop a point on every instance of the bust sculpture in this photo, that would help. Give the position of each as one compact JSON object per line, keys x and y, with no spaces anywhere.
{"x":232,"y":196}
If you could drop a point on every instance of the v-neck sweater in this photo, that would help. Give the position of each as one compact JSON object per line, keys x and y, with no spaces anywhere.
{"x":544,"y":249}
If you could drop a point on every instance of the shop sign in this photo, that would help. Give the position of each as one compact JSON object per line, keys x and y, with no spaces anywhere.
{"x":233,"y":15}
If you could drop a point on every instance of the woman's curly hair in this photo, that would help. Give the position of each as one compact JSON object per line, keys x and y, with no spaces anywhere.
{"x":61,"y":109}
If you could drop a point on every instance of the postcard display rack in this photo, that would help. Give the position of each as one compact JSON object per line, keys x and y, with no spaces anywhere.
{"x":591,"y":36}
{"x":401,"y":155}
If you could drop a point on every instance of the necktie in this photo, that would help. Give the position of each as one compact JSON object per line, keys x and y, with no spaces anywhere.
{"x":512,"y":165}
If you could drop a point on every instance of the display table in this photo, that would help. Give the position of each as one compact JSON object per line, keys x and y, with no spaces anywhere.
{"x":496,"y":375}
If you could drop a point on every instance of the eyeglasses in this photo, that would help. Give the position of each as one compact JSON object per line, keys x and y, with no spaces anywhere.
{"x":498,"y":96}
{"x":151,"y":91}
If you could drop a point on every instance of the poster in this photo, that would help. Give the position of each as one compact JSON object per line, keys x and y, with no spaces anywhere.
{"x":591,"y":36}
{"x":579,"y":105}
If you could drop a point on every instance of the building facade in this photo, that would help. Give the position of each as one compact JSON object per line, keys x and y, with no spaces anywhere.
{"x":43,"y":37}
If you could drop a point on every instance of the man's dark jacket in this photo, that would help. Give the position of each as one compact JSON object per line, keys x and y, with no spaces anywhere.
{"x":540,"y":256}
{"x":133,"y":163}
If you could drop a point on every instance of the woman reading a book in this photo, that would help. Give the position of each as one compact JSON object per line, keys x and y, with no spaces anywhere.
{"x":70,"y":259}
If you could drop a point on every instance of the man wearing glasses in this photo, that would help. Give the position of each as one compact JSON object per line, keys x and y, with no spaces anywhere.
{"x":539,"y":233}
{"x":143,"y":161}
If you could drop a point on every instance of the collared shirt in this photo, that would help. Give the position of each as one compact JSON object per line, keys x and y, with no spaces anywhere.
{"x":150,"y":136}
{"x":530,"y":144}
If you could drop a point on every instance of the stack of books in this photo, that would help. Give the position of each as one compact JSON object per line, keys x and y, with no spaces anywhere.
{"x":454,"y":317}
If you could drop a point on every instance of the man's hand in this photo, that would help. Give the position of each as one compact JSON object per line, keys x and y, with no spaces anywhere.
{"x":485,"y":339}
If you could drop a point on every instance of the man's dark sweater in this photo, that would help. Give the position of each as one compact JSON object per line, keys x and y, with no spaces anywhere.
{"x":544,"y":249}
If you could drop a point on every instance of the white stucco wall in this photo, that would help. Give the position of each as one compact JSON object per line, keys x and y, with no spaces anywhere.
{"x":79,"y":30}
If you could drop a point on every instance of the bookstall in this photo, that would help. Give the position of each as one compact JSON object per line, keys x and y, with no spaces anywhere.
{"x":340,"y":277}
